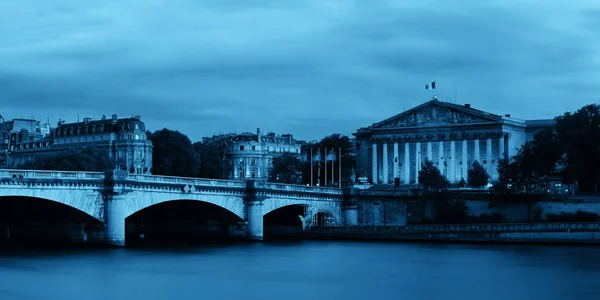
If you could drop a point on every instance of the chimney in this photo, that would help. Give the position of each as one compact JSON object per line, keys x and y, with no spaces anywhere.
{"x":86,"y":120}
{"x":507,"y":115}
{"x":468,"y":105}
{"x":114,"y":118}
{"x":61,"y":122}
{"x":137,"y":117}
{"x":258,"y":137}
{"x":103,"y":117}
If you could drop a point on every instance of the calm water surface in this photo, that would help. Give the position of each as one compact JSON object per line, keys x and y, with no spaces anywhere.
{"x":305,"y":270}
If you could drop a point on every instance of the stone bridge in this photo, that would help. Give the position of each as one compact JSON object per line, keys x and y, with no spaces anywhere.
{"x":112,"y":196}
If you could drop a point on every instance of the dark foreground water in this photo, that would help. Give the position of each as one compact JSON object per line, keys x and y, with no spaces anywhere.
{"x":305,"y":270}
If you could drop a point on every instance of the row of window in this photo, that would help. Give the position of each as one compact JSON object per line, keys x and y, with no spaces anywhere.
{"x":253,"y":148}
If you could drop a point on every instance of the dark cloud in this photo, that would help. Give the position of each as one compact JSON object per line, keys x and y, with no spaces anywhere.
{"x":310,"y":68}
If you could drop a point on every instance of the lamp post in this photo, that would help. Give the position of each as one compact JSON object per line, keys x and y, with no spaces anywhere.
{"x":85,"y":158}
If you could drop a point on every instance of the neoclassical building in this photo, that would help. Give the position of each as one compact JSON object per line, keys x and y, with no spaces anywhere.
{"x":452,"y":136}
{"x":250,"y":156}
{"x":125,"y":139}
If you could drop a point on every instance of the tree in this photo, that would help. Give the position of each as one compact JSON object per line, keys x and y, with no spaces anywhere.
{"x":90,"y":158}
{"x":173,"y":154}
{"x":431,"y":178}
{"x":333,"y":143}
{"x":212,"y":160}
{"x":579,"y":133}
{"x":286,"y":169}
{"x":477,"y":176}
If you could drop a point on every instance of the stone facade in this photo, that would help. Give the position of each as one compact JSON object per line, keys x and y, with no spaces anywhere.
{"x":29,"y":128}
{"x":250,"y":156}
{"x":125,"y":139}
{"x":451,"y":136}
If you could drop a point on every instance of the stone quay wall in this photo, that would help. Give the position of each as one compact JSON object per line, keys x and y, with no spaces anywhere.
{"x":568,"y":233}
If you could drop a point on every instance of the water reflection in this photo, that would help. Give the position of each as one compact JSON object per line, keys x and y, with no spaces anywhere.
{"x":301,"y":270}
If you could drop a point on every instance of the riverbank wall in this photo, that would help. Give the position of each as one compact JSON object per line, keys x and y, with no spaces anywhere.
{"x":402,"y":207}
{"x":558,"y":233}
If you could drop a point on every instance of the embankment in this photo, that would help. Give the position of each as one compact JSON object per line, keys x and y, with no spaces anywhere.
{"x":561,"y":233}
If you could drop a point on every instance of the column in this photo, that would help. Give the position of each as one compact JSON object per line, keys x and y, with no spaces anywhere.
{"x":385,"y":164}
{"x":442,"y":159}
{"x":511,"y":150}
{"x":501,"y":147}
{"x":452,"y":163}
{"x":417,"y":161}
{"x":374,"y":164}
{"x":476,"y":150}
{"x":396,"y":160}
{"x":236,"y":166}
{"x":407,"y":163}
{"x":429,"y":152}
{"x":465,"y":164}
{"x":247,"y":165}
{"x":257,"y":167}
{"x":254,"y":218}
{"x":488,"y":156}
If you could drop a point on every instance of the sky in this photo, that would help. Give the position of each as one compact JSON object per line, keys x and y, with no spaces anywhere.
{"x":310,"y":68}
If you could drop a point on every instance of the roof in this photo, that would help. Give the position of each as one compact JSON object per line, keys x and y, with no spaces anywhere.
{"x":436,"y":113}
{"x":108,"y":124}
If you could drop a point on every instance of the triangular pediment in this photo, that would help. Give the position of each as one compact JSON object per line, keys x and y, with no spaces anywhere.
{"x":437,"y":113}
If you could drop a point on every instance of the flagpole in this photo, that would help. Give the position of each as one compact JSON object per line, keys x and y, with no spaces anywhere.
{"x":325,"y":165}
{"x":340,"y":165}
{"x":311,"y":166}
{"x":319,"y":168}
{"x":332,"y":167}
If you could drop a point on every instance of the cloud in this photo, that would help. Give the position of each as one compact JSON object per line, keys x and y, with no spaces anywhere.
{"x":307,"y":67}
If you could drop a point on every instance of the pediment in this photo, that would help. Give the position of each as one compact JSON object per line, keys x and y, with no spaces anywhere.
{"x":437,"y":113}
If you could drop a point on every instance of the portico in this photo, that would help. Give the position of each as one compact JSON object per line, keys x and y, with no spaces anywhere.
{"x":451,"y":136}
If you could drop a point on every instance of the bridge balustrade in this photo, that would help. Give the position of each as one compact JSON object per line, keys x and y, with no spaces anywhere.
{"x":187,"y":180}
{"x":47,"y":174}
{"x":302,"y":188}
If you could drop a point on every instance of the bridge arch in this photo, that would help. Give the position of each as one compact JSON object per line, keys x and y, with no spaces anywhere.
{"x":141,"y":200}
{"x":313,"y":207}
{"x":88,"y":200}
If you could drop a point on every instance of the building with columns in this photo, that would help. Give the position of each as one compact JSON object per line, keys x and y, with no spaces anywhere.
{"x":452,"y":136}
{"x":250,"y":156}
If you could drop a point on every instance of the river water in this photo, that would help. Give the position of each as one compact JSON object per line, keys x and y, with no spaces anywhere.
{"x":305,"y":270}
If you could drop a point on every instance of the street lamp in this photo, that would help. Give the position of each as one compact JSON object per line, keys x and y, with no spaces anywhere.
{"x":85,"y":157}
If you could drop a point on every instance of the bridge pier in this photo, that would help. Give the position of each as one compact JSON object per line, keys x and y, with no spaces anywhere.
{"x":254,"y":218}
{"x":115,"y":221}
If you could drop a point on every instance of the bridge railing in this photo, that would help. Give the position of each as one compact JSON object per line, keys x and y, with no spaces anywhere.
{"x":48,"y":174}
{"x":187,"y":180}
{"x":303,"y":188}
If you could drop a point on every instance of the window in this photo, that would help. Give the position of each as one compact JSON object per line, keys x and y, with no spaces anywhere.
{"x":137,"y":136}
{"x":253,"y":173}
{"x":253,"y":161}
{"x":241,"y":148}
{"x":253,"y":148}
{"x":485,"y":162}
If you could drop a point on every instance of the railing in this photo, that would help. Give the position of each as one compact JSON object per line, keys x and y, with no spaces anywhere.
{"x":47,"y":174}
{"x":303,"y":188}
{"x":187,"y":180}
{"x":464,"y":228}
